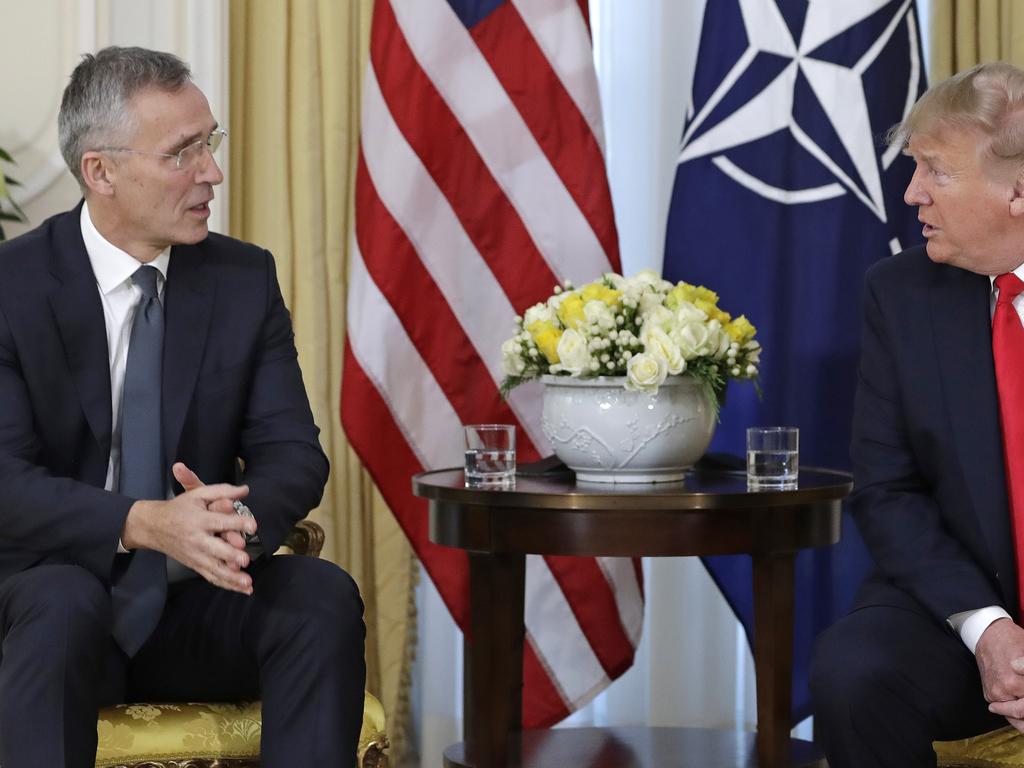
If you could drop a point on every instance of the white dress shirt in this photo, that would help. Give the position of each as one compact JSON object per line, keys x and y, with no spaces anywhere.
{"x":972,"y":624}
{"x":113,"y":269}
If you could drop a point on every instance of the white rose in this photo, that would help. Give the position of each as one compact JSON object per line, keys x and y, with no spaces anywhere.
{"x":722,"y":340}
{"x":645,"y":372}
{"x":659,"y":316}
{"x":648,"y":277}
{"x":618,"y":282}
{"x":542,"y":313}
{"x":599,"y":313}
{"x":651,"y":301}
{"x":688,"y":313}
{"x":511,"y":360}
{"x":694,"y":340}
{"x":573,"y":355}
{"x":657,"y":342}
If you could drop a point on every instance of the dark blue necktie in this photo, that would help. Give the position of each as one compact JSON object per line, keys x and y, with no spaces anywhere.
{"x":141,"y":587}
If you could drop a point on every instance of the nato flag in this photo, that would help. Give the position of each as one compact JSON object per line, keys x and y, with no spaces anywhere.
{"x":785,"y":193}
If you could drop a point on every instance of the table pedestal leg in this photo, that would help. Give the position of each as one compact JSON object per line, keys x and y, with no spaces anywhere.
{"x":493,"y":686}
{"x":773,"y":655}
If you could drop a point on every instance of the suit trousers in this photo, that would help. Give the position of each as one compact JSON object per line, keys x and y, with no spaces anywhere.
{"x":297,"y":643}
{"x":886,"y":682}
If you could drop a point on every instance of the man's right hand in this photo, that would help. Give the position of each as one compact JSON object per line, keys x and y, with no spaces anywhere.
{"x":1000,"y":657}
{"x":185,"y":529}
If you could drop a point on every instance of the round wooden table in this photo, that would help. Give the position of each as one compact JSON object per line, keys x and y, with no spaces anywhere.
{"x":708,"y":513}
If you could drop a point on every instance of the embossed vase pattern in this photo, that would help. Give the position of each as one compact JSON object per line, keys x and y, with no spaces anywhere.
{"x":607,"y":434}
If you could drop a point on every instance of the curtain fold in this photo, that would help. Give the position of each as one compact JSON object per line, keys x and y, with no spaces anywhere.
{"x":967,"y":32}
{"x":296,"y":71}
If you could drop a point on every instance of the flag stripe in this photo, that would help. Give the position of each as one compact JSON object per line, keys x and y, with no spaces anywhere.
{"x":419,"y":407}
{"x":429,"y":321}
{"x":370,"y":424}
{"x":566,"y":651}
{"x":621,"y":573}
{"x":422,"y":215}
{"x":443,"y":150}
{"x":592,"y":608}
{"x":543,"y":703}
{"x":447,"y":53}
{"x":562,"y":34}
{"x":562,"y":132}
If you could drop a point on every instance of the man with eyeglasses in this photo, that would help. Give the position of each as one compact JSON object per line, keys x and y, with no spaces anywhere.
{"x":156,"y":446}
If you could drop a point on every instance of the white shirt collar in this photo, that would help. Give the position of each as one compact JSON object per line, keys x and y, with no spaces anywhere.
{"x":1019,"y":272}
{"x":110,"y":264}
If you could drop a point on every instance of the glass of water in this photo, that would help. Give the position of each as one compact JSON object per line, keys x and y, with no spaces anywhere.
{"x":490,"y":456}
{"x":773,"y":458}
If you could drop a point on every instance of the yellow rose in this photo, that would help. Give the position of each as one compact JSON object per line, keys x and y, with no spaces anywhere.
{"x":712,"y":311}
{"x":546,"y":337}
{"x":740,"y":330}
{"x":570,"y":311}
{"x":600,"y":292}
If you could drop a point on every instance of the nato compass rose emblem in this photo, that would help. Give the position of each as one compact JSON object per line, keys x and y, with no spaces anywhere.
{"x":797,"y":112}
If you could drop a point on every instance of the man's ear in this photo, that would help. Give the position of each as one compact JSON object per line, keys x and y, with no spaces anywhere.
{"x":98,"y":173}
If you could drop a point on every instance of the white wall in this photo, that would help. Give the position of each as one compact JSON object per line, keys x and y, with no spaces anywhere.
{"x":40,"y":43}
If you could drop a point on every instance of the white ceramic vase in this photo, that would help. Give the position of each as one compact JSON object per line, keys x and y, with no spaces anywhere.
{"x":607,"y":434}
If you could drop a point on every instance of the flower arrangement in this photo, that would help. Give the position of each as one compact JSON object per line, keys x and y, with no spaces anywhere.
{"x":641,"y":327}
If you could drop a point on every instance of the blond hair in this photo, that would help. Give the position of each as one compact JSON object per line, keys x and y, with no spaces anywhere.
{"x":988,"y":98}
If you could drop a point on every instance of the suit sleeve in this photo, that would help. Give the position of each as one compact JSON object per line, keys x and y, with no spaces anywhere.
{"x":897,"y":515}
{"x":285,"y":467}
{"x":54,"y":517}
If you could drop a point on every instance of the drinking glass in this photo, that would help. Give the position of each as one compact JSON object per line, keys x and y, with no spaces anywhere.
{"x":490,"y":456}
{"x":773,"y":458}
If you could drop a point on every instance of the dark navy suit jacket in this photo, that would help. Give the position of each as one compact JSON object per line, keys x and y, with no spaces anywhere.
{"x":930,"y":489}
{"x":232,"y":391}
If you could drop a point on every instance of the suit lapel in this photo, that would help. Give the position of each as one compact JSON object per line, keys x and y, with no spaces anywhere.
{"x":188,"y":306}
{"x":961,"y":319}
{"x":76,"y":306}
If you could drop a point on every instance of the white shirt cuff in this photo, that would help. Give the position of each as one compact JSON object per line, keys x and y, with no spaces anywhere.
{"x":970,"y":625}
{"x":120,"y":548}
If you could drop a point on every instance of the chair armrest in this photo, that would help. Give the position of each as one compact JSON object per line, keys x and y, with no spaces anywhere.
{"x":306,"y":538}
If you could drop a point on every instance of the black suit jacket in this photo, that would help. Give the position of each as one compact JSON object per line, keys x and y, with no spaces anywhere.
{"x":231,"y":390}
{"x":930,"y":489}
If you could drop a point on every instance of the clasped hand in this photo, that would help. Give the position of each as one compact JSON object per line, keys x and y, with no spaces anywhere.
{"x":199,"y":529}
{"x":1000,"y":657}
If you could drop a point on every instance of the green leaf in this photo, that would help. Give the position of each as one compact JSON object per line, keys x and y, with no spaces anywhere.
{"x":3,"y":187}
{"x":5,"y":156}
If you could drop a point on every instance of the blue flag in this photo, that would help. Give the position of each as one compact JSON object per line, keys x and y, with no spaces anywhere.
{"x":785,"y":193}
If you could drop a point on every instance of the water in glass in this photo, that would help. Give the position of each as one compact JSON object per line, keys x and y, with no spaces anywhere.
{"x":490,"y":469}
{"x":772,"y":469}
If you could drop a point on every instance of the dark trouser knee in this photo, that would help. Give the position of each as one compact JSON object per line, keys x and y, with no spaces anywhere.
{"x":55,"y":622}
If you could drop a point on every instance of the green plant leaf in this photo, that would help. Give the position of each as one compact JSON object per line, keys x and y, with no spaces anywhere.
{"x":5,"y":156}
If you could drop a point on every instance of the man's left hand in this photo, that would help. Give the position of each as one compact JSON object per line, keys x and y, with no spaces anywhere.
{"x":190,"y":480}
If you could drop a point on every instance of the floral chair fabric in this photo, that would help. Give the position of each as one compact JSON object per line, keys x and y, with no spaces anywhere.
{"x":182,"y":735}
{"x":200,"y":735}
{"x":998,"y":749}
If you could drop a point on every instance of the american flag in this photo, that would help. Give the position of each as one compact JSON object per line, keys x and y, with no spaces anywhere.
{"x":480,"y":186}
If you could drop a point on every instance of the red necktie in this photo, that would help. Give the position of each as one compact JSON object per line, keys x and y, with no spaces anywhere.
{"x":1008,"y":353}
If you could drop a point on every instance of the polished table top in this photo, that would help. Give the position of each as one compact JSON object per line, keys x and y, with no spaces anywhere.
{"x":709,"y":512}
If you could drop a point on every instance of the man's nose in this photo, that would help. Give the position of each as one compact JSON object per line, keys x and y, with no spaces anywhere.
{"x":916,"y":193}
{"x":209,"y":169}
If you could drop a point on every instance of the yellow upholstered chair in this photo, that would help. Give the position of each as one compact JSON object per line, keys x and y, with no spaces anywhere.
{"x":181,"y":735}
{"x":998,"y":749}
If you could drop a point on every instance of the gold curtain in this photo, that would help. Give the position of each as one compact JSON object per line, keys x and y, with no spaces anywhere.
{"x":296,"y":75}
{"x":968,"y":32}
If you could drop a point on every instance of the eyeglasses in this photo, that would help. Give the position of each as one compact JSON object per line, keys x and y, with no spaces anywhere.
{"x":186,"y":158}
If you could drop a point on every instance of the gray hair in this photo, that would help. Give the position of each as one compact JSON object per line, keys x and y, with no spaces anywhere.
{"x":94,"y":110}
{"x":988,"y":98}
